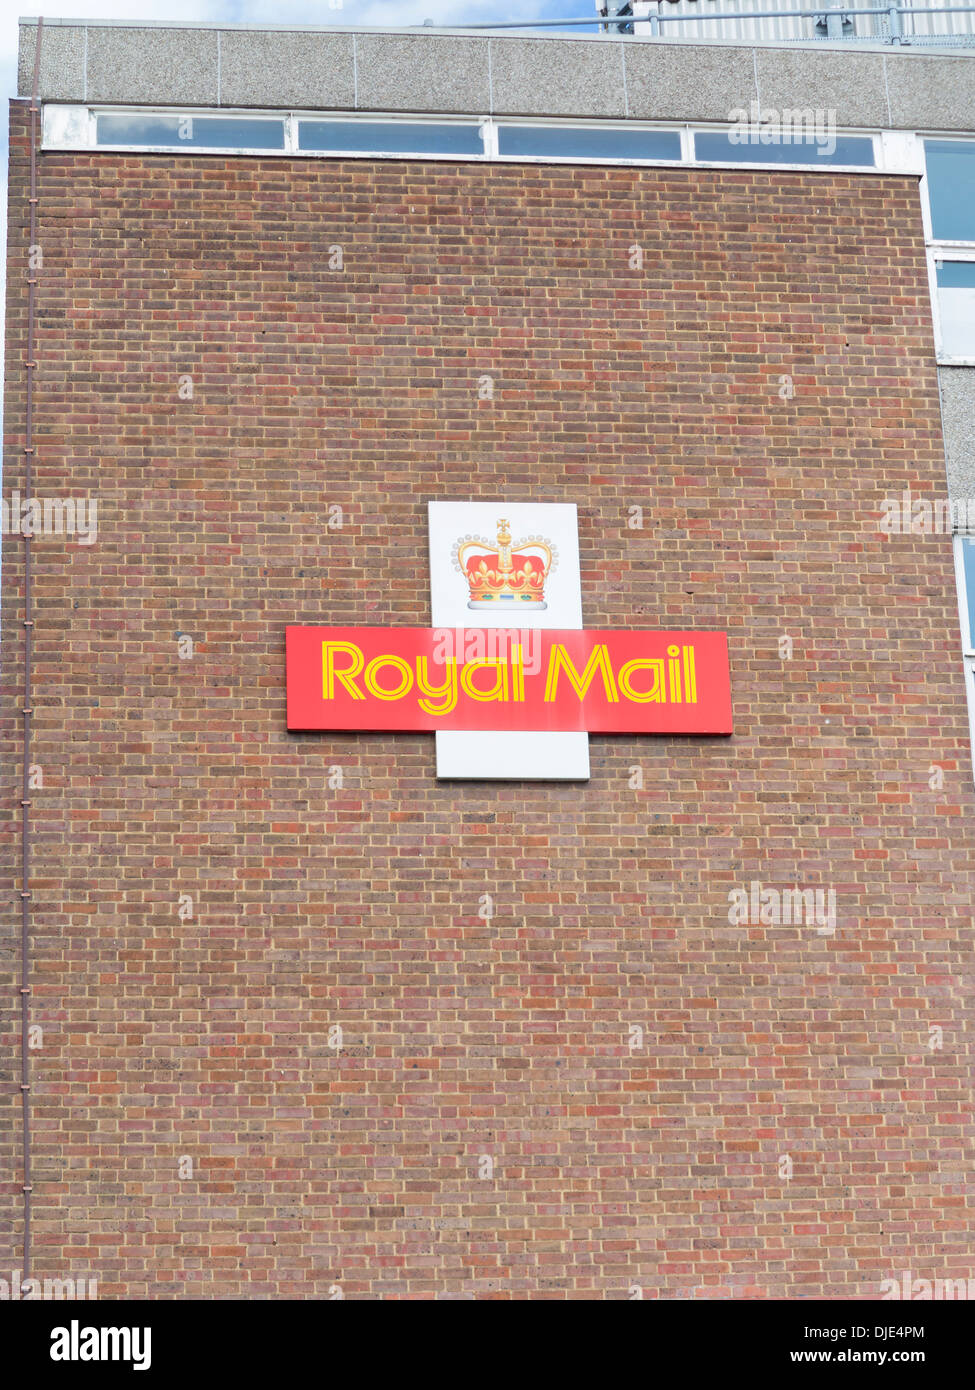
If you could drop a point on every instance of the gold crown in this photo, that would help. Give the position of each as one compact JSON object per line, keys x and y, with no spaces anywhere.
{"x":505,"y":573}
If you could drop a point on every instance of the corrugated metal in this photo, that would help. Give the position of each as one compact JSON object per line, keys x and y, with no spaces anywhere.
{"x":937,"y":24}
{"x":768,"y":30}
{"x":746,"y":30}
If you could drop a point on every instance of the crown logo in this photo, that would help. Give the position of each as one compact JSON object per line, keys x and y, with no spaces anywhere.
{"x":505,"y":574}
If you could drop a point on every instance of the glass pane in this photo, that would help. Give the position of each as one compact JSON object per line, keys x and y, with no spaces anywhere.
{"x":951,"y":188}
{"x":968,"y":555}
{"x":956,"y":275}
{"x":191,"y":132}
{"x":390,"y":137}
{"x":956,"y":307}
{"x":581,"y":142}
{"x":735,"y":147}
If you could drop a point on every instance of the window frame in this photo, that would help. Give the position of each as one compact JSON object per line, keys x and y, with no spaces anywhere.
{"x":69,"y":126}
{"x":929,"y":236}
{"x":959,"y":540}
{"x":939,"y":252}
{"x":879,"y":155}
{"x":677,"y":128}
{"x":940,"y":249}
{"x":178,"y":113}
{"x":480,"y":122}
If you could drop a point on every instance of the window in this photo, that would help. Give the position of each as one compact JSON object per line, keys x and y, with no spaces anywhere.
{"x":472,"y":136}
{"x":390,"y":137}
{"x":587,"y":142}
{"x":720,"y":146}
{"x":951,"y":188}
{"x":950,"y":221}
{"x":965,"y":572}
{"x":955,"y":285}
{"x":190,"y":132}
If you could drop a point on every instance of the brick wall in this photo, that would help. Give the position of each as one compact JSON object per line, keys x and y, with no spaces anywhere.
{"x":165,"y":778}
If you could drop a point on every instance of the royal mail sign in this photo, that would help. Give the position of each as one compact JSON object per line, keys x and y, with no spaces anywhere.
{"x":476,"y":679}
{"x":507,"y":676}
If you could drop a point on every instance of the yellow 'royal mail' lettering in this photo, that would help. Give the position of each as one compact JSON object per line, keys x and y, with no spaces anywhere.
{"x":690,"y":676}
{"x":330,"y":650}
{"x":498,"y":691}
{"x":673,"y":678}
{"x":673,"y":668}
{"x":656,"y":695}
{"x":559,"y":659}
{"x":446,"y":693}
{"x":371,"y":677}
{"x":518,"y":673}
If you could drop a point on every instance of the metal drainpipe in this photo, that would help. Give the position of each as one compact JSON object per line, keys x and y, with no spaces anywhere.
{"x":31,"y":367}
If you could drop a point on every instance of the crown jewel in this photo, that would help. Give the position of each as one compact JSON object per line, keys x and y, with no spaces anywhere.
{"x":503,"y":573}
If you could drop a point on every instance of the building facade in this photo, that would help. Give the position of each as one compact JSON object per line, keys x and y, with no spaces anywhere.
{"x":309,"y":1021}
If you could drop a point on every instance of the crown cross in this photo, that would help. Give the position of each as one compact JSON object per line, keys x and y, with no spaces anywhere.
{"x":505,"y":574}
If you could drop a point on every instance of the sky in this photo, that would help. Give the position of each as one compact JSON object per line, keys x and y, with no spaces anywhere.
{"x":279,"y":13}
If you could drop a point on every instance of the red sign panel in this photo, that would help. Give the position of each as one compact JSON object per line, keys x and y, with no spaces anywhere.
{"x":508,"y":678}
